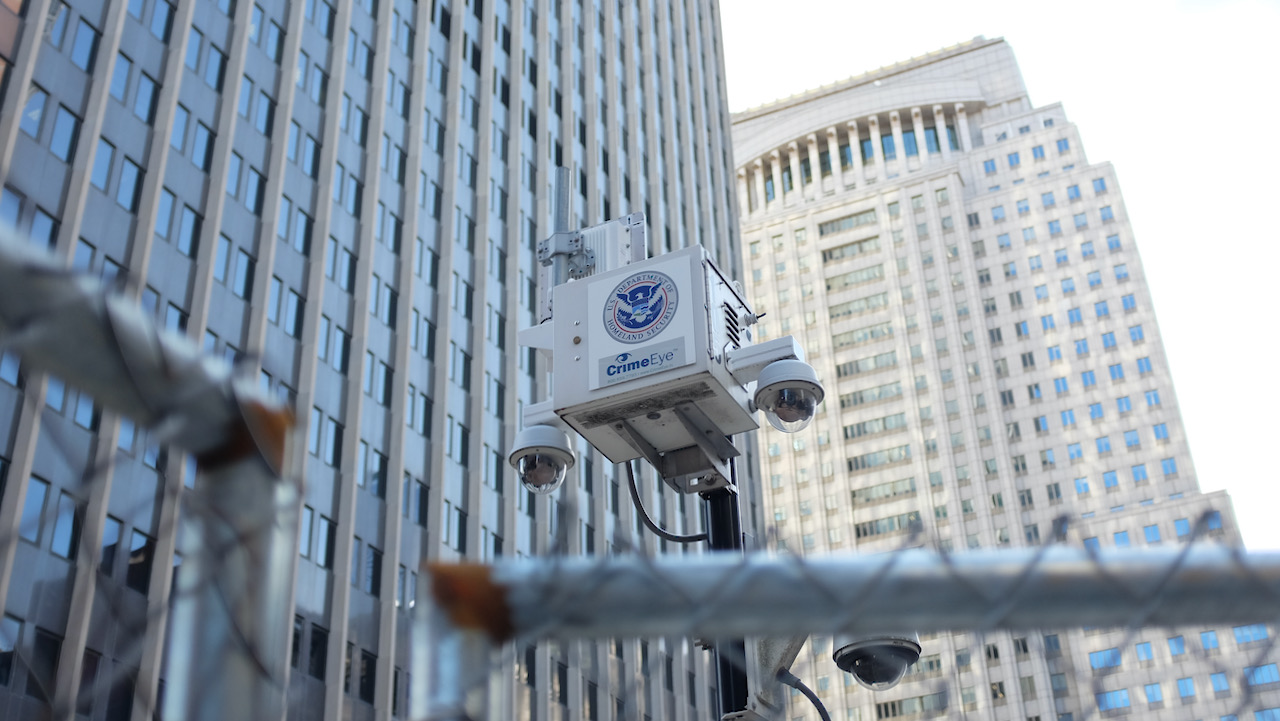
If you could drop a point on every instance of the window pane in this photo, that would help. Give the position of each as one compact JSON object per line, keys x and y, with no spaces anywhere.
{"x":33,"y":113}
{"x":85,"y":46}
{"x":142,"y":549}
{"x":33,"y":510}
{"x":66,"y":530}
{"x":65,"y":128}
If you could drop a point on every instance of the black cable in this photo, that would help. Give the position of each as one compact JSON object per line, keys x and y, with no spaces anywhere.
{"x":644,"y":515}
{"x":790,"y":679}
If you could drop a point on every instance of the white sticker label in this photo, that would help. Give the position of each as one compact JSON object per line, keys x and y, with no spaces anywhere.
{"x":642,"y":362}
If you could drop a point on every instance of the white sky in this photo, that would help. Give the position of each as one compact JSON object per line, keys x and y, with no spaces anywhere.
{"x":1184,"y":99}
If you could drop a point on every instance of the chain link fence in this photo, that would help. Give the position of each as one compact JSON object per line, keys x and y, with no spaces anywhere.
{"x":228,"y":612}
{"x":230,"y":606}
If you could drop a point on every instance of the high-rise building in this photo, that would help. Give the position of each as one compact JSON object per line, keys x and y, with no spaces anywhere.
{"x":343,"y":197}
{"x":968,"y":285}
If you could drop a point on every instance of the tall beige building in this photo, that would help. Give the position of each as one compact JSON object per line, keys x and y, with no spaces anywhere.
{"x":969,"y":287}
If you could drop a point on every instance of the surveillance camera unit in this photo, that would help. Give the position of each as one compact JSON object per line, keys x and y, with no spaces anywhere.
{"x":654,"y":359}
{"x":788,"y":393}
{"x":877,"y":662}
{"x":541,"y":456}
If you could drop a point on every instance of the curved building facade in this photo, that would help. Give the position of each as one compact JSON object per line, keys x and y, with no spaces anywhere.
{"x":969,"y":287}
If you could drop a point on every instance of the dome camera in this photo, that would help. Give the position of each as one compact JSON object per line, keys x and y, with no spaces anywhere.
{"x":789,"y":393}
{"x":541,"y":456}
{"x":877,"y":662}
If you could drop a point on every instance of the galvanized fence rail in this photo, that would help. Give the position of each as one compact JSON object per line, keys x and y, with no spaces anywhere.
{"x":232,"y":602}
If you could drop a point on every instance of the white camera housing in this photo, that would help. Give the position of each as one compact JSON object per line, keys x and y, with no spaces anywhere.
{"x":654,"y":360}
{"x":877,"y":662}
{"x":542,"y":457}
{"x":788,"y":393}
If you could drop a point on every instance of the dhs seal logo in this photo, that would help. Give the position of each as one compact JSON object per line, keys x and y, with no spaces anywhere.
{"x":640,"y":307}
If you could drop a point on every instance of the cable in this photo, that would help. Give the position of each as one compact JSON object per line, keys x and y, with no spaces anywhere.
{"x":785,"y":676}
{"x":644,"y":515}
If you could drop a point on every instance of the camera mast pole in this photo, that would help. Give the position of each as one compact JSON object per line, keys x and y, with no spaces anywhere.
{"x":724,"y":533}
{"x":571,"y":253}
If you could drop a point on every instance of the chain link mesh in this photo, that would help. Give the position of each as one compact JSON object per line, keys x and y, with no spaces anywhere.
{"x":164,"y":383}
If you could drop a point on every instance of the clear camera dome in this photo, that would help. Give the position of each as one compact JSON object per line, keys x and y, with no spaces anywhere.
{"x":541,"y":473}
{"x":789,"y":393}
{"x":790,"y":409}
{"x":542,"y":457}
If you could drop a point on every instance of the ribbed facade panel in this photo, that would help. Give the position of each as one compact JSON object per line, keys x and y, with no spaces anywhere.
{"x":344,"y":199}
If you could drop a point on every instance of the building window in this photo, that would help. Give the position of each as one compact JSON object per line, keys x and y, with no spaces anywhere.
{"x":1112,"y":700}
{"x":1152,"y":691}
{"x":1250,"y":633}
{"x":31,"y":522}
{"x":84,"y":48}
{"x":1186,"y":687}
{"x":142,"y":550}
{"x":1108,"y":658}
{"x":1259,"y":675}
{"x":1208,"y":640}
{"x":66,"y":127}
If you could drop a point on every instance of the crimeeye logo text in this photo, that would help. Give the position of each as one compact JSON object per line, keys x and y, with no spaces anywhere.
{"x":626,"y":363}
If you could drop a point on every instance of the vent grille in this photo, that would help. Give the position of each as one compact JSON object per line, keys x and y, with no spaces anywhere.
{"x":731,"y":328}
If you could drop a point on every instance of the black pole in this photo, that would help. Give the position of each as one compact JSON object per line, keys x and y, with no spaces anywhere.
{"x":724,"y":533}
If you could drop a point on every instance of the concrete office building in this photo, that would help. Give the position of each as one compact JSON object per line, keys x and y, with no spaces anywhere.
{"x":969,"y":287}
{"x":343,"y":197}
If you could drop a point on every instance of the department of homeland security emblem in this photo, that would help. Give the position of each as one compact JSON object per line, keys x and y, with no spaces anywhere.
{"x":640,"y":307}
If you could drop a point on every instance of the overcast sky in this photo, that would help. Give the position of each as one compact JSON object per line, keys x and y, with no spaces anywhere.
{"x":1184,"y":99}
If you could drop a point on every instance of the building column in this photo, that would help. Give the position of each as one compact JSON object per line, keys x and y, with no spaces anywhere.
{"x":775,"y":162}
{"x":833,"y":152}
{"x":793,"y":162}
{"x":940,"y":125}
{"x":877,"y":147}
{"x":962,"y":128}
{"x":855,"y":150}
{"x":917,"y":125}
{"x":743,"y":200}
{"x":815,"y":171}
{"x":895,"y":125}
{"x":759,"y":172}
